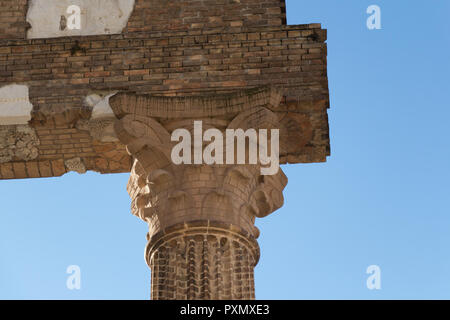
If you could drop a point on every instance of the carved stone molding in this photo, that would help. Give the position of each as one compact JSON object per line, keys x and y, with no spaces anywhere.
{"x":216,"y":105}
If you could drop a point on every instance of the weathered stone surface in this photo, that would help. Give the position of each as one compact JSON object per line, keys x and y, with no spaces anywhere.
{"x":101,"y":123}
{"x":18,"y":143}
{"x":75,"y":164}
{"x":100,"y":106}
{"x":15,"y":106}
{"x":101,"y":129}
{"x":48,"y":18}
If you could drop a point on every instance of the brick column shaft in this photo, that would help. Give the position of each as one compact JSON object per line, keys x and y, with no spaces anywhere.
{"x":213,"y":261}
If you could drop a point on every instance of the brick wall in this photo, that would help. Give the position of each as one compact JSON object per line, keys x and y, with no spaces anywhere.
{"x":182,"y":63}
{"x":13,"y":19}
{"x":190,"y":60}
{"x":157,"y":15}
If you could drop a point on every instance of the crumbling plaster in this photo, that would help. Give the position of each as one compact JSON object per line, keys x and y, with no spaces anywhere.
{"x":49,"y":18}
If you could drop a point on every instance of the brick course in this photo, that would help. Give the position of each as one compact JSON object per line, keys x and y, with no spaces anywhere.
{"x":13,"y":23}
{"x":157,"y":15}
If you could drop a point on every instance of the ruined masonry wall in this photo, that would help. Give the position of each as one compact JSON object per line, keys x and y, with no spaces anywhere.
{"x":166,"y":48}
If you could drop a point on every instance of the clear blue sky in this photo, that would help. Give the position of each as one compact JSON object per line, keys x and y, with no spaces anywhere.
{"x":382,"y":198}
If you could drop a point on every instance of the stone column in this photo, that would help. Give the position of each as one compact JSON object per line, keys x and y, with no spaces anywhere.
{"x":202,"y":238}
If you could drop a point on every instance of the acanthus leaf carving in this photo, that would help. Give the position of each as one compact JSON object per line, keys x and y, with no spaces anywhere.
{"x":185,"y":205}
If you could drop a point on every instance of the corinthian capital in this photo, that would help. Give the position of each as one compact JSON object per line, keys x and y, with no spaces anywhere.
{"x":195,"y":209}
